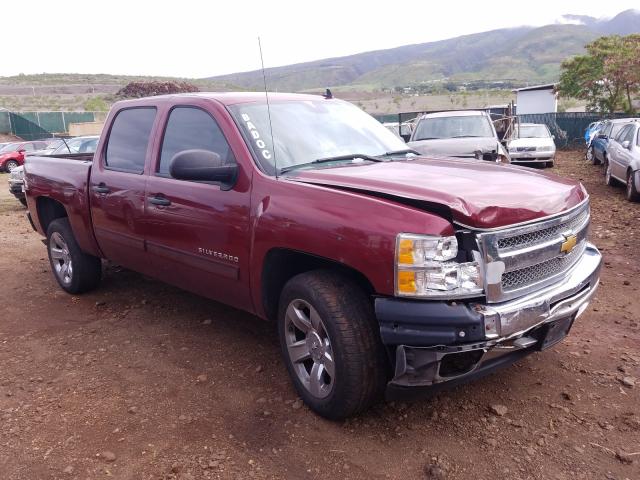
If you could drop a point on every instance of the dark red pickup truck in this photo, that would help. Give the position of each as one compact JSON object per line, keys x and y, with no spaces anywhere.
{"x":384,"y":270}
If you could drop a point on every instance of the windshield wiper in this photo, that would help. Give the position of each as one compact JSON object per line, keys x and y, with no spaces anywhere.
{"x":338,"y":158}
{"x":400,"y":152}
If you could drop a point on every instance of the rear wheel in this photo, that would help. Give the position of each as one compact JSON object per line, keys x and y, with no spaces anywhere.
{"x":608,"y":179}
{"x":10,"y":165}
{"x":75,"y":271}
{"x":632,"y":191}
{"x":330,"y":343}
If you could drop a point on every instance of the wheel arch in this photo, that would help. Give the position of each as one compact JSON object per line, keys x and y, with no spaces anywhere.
{"x":282,"y":264}
{"x":49,"y":210}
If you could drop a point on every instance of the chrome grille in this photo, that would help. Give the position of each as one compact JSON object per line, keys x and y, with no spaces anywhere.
{"x":540,"y":236}
{"x":540,"y":271}
{"x":521,"y":259}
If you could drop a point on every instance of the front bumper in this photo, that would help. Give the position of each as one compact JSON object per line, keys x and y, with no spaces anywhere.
{"x":438,"y":342}
{"x":16,"y":189}
{"x":532,"y":157}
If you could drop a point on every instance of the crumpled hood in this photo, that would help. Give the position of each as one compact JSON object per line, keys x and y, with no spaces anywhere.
{"x":455,"y":147}
{"x":479,"y":194}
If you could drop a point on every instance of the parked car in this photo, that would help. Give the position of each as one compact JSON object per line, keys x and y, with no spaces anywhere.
{"x":383,"y":270}
{"x":12,"y":155}
{"x":533,"y":144}
{"x":623,"y":162}
{"x":16,"y":182}
{"x":86,"y":144}
{"x":464,"y":134}
{"x":597,"y":151}
{"x":51,"y":145}
{"x":591,"y":131}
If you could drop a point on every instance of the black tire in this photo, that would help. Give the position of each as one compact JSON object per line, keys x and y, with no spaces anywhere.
{"x":23,"y":201}
{"x":10,"y":165}
{"x":632,"y":191}
{"x":347,"y":317}
{"x":86,"y":270}
{"x":608,"y":179}
{"x":590,"y":155}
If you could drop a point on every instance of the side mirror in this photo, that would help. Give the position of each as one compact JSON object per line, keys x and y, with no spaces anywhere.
{"x":204,"y":166}
{"x":553,"y":137}
{"x":626,"y":144}
{"x":21,"y":151}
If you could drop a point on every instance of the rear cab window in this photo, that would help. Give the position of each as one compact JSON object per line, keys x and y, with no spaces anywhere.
{"x":126,"y":148}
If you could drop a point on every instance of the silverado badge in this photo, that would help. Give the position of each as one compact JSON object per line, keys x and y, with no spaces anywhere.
{"x":569,"y":243}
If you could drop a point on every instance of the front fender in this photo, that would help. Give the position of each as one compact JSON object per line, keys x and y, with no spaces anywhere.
{"x":353,"y":229}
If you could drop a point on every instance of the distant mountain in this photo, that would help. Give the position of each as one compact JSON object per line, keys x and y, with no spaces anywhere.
{"x":522,"y":55}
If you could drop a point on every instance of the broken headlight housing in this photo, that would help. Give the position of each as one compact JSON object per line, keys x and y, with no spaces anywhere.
{"x":426,"y":267}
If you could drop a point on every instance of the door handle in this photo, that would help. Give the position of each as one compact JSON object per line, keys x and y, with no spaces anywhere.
{"x":101,"y":188}
{"x":160,"y":201}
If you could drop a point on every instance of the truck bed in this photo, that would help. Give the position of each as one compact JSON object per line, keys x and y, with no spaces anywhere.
{"x":64,"y":179}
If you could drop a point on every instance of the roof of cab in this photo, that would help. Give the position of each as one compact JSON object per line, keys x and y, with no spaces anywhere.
{"x":226,"y":98}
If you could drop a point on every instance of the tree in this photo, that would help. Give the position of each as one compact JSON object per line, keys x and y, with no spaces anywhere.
{"x":605,"y":75}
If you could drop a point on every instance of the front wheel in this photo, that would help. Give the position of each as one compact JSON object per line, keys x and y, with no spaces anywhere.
{"x":550,"y":164}
{"x":10,"y":165}
{"x":75,"y":271}
{"x":589,"y":155}
{"x":331,"y":344}
{"x":632,"y":191}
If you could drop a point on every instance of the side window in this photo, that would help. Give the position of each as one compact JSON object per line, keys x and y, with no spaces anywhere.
{"x":191,"y":128}
{"x":127,"y":145}
{"x":623,"y":134}
{"x":607,"y":130}
{"x":28,"y":147}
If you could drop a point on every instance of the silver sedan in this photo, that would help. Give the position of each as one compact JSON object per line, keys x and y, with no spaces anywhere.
{"x":622,"y":163}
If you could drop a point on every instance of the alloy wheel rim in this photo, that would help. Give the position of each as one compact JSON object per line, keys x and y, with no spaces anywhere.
{"x":61,"y":258}
{"x":629,"y":186}
{"x":309,"y":348}
{"x":590,"y":154}
{"x":608,"y":172}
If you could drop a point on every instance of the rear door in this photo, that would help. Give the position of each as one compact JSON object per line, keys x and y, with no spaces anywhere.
{"x":623,"y":155}
{"x":117,"y":186}
{"x":198,"y":234}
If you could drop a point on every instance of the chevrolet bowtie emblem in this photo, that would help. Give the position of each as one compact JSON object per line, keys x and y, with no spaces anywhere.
{"x":569,"y":243}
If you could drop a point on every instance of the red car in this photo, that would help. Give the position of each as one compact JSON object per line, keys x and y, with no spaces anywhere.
{"x":12,"y":154}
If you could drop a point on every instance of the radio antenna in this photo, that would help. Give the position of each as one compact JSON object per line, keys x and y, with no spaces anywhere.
{"x":266,"y":94}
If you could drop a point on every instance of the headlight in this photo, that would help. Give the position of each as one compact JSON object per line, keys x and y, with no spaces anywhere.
{"x":547,"y":148}
{"x":424,"y":268}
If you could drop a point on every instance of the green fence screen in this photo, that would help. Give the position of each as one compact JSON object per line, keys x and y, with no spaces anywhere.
{"x":35,"y":125}
{"x":568,"y":127}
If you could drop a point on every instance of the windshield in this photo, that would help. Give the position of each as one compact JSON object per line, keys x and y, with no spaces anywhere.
{"x":534,"y":131}
{"x":431,"y":128}
{"x":308,"y":130}
{"x":77,"y":145}
{"x":9,"y":148}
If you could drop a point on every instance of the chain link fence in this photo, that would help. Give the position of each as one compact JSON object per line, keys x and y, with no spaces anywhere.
{"x":36,"y":125}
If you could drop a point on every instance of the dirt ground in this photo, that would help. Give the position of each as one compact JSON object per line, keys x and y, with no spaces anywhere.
{"x":139,"y":380}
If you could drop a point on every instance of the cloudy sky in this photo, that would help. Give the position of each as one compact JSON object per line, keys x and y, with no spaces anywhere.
{"x":190,"y":38}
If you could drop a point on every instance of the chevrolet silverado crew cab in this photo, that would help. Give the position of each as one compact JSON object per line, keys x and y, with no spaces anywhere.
{"x":385,"y":271}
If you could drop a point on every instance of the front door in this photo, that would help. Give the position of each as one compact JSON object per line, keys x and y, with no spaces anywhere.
{"x":197,"y":234}
{"x":117,"y":187}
